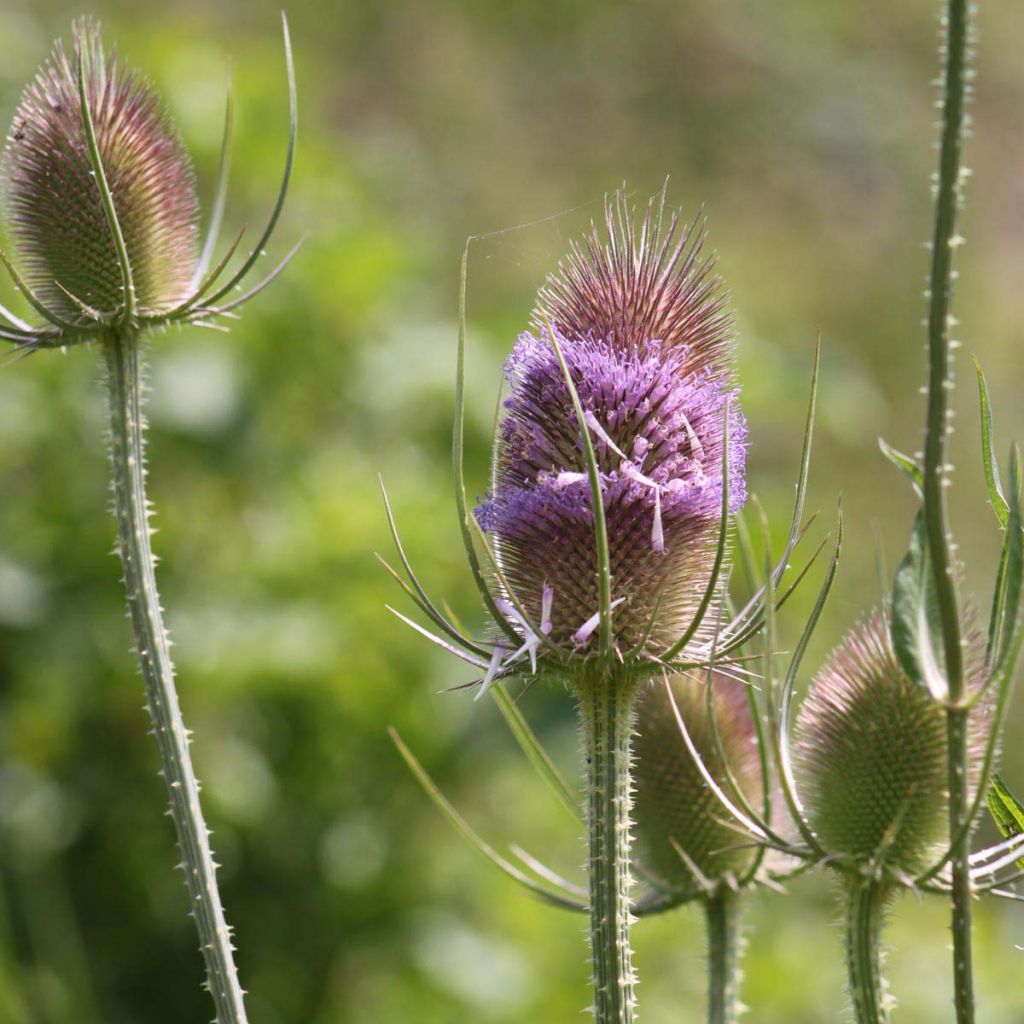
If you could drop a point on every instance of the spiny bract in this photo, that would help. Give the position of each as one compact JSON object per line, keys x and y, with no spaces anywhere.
{"x":54,"y":205}
{"x":639,"y":319}
{"x":870,"y":756}
{"x":672,"y":802}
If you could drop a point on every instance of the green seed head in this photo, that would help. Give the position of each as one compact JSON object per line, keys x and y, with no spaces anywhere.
{"x":870,"y":757}
{"x":672,"y":801}
{"x":53,"y":201}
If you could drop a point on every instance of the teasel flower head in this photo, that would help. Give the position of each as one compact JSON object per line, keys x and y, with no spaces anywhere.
{"x":683,"y":842}
{"x":54,"y":206}
{"x":101,"y":205}
{"x":870,"y":756}
{"x":629,"y":357}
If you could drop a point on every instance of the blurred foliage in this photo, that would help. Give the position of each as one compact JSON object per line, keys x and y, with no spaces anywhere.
{"x":805,"y":129}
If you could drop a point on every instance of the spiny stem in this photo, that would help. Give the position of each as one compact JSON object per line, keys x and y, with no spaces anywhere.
{"x":864,"y":910}
{"x":722,"y":913}
{"x":959,"y":770}
{"x":940,"y":383}
{"x":606,"y":710}
{"x":940,"y":360}
{"x":127,"y":459}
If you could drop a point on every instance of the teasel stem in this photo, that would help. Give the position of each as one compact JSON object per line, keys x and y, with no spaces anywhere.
{"x":940,"y":383}
{"x":959,"y":830}
{"x":725,"y":946}
{"x":864,"y":911}
{"x":121,"y":348}
{"x":606,"y":700}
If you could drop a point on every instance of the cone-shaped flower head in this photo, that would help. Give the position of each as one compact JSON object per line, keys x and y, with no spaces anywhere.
{"x":870,"y":756}
{"x":54,"y":204}
{"x":673,"y":805}
{"x":639,"y":318}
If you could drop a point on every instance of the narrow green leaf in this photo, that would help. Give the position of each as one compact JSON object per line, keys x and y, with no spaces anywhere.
{"x":1006,"y":810}
{"x":911,"y":467}
{"x":1014,"y":561}
{"x":915,"y":616}
{"x":988,"y":457}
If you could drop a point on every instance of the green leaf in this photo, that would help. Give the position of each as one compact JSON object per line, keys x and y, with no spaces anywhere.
{"x":1006,"y":810}
{"x":1003,"y":621}
{"x":988,"y":458}
{"x":911,"y":467}
{"x":915,"y":617}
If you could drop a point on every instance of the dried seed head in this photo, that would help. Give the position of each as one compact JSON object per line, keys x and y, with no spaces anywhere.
{"x":672,"y":800}
{"x":639,"y":321}
{"x":870,"y":756}
{"x":53,"y":200}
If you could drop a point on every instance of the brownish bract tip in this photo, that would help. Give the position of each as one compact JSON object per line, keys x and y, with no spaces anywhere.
{"x":640,"y":281}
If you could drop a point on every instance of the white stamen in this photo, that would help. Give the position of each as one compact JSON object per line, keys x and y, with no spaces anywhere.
{"x":566,"y":478}
{"x":592,"y":422}
{"x":547,"y":600}
{"x":695,"y":446}
{"x":657,"y":530}
{"x":492,"y":670}
{"x":582,"y":635}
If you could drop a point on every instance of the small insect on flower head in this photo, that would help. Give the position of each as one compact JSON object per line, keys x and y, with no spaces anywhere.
{"x":637,"y":313}
{"x":683,"y":841}
{"x":54,"y":204}
{"x":870,"y":756}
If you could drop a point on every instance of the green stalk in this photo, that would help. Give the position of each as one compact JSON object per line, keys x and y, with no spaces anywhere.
{"x":959,"y":830}
{"x":940,"y":384}
{"x":722,"y":913}
{"x":607,"y":698}
{"x":864,"y":911}
{"x":127,"y":461}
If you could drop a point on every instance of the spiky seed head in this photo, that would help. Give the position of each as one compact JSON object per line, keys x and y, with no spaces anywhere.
{"x":53,"y":201}
{"x":672,"y":800}
{"x":870,"y":756}
{"x":638,"y":316}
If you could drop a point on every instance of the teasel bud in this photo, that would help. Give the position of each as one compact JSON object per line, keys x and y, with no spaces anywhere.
{"x":638,"y":319}
{"x":55,"y":208}
{"x":682,"y":839}
{"x":870,"y":757}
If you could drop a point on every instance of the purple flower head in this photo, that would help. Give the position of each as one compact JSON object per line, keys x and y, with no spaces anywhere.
{"x":54,"y":206}
{"x":656,"y":411}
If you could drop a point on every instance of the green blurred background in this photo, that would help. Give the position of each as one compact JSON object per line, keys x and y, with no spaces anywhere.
{"x":806,"y":131}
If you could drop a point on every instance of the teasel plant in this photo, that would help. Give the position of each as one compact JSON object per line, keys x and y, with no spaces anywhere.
{"x":102,"y":211}
{"x":896,"y":743}
{"x":863,"y":771}
{"x":601,"y":550}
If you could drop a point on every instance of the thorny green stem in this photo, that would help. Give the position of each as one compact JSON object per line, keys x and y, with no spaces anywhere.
{"x":607,"y":699}
{"x":127,"y":460}
{"x":940,"y":382}
{"x":959,"y":830}
{"x":940,"y":360}
{"x":864,"y":911}
{"x":722,"y":914}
